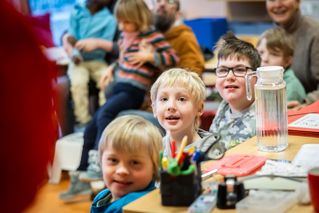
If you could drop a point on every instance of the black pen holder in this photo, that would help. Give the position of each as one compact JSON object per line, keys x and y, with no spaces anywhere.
{"x":180,"y":190}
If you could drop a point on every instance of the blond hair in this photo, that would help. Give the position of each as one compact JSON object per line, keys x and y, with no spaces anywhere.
{"x":181,"y":77}
{"x":130,"y":134}
{"x":278,"y":39}
{"x":135,"y":11}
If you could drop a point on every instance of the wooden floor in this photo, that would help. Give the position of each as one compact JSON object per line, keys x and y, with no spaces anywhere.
{"x":48,"y":201}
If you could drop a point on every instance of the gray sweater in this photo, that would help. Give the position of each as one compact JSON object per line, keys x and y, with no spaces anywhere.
{"x":305,"y":34}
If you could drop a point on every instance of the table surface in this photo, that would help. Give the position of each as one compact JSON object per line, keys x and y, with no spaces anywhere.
{"x":152,"y":201}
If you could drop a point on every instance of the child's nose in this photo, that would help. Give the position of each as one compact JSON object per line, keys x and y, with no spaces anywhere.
{"x":120,"y":25}
{"x":230,"y":74}
{"x":122,"y":170}
{"x":264,"y":60}
{"x":171,"y":105}
{"x":277,"y":3}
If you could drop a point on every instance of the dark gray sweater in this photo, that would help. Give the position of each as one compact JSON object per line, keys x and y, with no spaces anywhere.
{"x":305,"y":34}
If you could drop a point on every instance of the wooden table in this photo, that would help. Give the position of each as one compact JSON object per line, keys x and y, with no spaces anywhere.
{"x":152,"y":201}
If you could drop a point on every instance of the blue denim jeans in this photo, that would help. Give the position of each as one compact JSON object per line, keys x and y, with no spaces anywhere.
{"x":124,"y":96}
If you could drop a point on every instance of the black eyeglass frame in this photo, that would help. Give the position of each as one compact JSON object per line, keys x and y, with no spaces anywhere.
{"x":233,"y":71}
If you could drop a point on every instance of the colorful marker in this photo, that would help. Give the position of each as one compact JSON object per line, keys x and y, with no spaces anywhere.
{"x":173,"y":148}
{"x":165,"y":163}
{"x":181,"y":148}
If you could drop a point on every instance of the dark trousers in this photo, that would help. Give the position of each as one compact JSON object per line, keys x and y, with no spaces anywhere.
{"x":124,"y":96}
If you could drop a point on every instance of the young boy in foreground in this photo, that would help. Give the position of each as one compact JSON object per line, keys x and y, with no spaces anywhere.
{"x":129,"y":155}
{"x":235,"y":119}
{"x":178,"y":102}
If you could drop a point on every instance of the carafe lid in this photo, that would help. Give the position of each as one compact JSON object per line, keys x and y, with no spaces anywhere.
{"x":273,"y":73}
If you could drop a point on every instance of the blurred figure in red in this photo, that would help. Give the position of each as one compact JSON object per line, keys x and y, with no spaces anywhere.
{"x":28,"y":129}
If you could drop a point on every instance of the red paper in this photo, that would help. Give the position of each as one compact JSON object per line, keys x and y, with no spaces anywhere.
{"x":239,"y":165}
{"x":295,"y":115}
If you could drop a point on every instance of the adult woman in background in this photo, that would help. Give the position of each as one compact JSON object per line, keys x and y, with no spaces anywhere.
{"x":305,"y":35}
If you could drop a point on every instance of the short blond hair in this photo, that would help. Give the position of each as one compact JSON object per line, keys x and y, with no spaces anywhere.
{"x":181,"y":77}
{"x":135,"y":11}
{"x":130,"y":134}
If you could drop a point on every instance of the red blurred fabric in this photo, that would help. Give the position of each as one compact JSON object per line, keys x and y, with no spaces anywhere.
{"x":28,"y":129}
{"x":42,"y":29}
{"x":207,"y":119}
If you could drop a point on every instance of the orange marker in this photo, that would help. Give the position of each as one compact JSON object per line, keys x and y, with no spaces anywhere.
{"x":181,"y":148}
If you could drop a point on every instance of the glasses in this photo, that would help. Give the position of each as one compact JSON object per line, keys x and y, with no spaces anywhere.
{"x":222,"y":72}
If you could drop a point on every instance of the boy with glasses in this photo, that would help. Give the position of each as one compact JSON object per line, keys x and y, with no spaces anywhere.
{"x":235,"y":118}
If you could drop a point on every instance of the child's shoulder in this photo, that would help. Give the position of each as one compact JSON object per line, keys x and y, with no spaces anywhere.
{"x":79,"y":6}
{"x":104,"y":194}
{"x":126,"y":199}
{"x":225,"y":115}
{"x":223,"y":106}
{"x":78,"y":9}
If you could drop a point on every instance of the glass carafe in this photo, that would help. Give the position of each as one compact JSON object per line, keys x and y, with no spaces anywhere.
{"x":271,"y":108}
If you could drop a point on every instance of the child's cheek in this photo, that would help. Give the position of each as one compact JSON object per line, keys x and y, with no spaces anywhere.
{"x":219,"y":84}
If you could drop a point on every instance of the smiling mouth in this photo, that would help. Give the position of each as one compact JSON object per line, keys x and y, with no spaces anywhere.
{"x":279,"y":12}
{"x":231,"y":87}
{"x":172,"y":117}
{"x":122,"y":182}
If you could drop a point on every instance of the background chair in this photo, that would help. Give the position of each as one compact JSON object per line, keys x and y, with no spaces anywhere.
{"x":68,"y":152}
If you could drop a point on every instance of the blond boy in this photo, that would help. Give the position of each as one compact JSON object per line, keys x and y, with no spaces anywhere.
{"x":178,"y":102}
{"x":129,"y":154}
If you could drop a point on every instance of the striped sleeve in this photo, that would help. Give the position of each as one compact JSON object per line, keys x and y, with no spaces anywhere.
{"x":165,"y":52}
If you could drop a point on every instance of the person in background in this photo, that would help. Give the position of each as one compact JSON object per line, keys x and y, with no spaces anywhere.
{"x":135,"y":70}
{"x":93,"y":20}
{"x":28,"y":124}
{"x":178,"y":102}
{"x":276,"y":49}
{"x":235,"y":119}
{"x":305,"y":35}
{"x":169,"y":21}
{"x":129,"y":152}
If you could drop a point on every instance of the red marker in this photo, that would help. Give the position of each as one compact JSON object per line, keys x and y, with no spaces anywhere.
{"x":173,"y":148}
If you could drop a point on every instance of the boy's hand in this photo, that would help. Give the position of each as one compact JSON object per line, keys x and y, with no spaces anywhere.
{"x":67,"y":43}
{"x":106,"y":78}
{"x":87,"y":45}
{"x":76,"y":60}
{"x":76,"y":56}
{"x":91,"y":44}
{"x":295,"y":105}
{"x":145,"y":54}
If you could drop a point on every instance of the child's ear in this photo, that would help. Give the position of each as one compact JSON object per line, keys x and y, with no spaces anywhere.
{"x":288,"y":61}
{"x":154,"y":110}
{"x":200,"y":109}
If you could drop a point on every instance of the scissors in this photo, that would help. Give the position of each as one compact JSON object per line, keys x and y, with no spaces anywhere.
{"x":211,"y":148}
